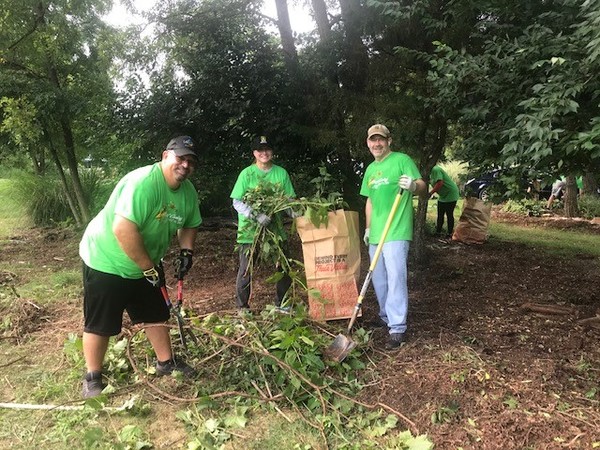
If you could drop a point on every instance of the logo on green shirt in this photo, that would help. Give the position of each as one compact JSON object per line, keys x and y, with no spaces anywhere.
{"x":378,"y":180}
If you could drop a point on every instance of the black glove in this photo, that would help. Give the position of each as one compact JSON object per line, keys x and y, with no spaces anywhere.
{"x":183,"y":263}
{"x":155,"y":276}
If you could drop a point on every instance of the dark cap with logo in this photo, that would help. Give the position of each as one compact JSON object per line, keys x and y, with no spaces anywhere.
{"x":182,"y":145}
{"x":261,"y":143}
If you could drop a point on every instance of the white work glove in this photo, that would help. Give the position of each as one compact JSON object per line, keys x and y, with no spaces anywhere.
{"x":293,"y":214}
{"x":366,"y":236}
{"x":263,"y":220}
{"x":407,"y":183}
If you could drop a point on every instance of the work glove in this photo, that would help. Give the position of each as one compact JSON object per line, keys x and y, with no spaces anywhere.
{"x":183,"y":263}
{"x":407,"y":183}
{"x":155,"y":276}
{"x":263,"y":220}
{"x":366,"y":236}
{"x":293,"y":214}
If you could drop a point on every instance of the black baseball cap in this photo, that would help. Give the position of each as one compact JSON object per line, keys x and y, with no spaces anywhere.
{"x":261,"y":143}
{"x":182,"y":145}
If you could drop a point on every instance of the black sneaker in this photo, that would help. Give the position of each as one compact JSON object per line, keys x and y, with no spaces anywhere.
{"x":395,"y":341}
{"x":92,"y":385}
{"x":168,"y":367}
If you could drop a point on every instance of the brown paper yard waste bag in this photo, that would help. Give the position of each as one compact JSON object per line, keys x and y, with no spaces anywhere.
{"x":474,"y":221}
{"x":332,"y":263}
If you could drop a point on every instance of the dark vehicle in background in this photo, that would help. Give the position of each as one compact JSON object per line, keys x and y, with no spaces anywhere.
{"x":490,"y":184}
{"x":481,"y":185}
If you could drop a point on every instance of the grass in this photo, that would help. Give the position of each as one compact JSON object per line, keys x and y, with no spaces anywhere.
{"x":566,"y":243}
{"x":12,"y":213}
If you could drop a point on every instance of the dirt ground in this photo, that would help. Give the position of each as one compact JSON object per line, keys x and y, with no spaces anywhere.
{"x":485,"y":366}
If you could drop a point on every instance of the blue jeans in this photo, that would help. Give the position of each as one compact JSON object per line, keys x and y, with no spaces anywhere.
{"x":390,"y":280}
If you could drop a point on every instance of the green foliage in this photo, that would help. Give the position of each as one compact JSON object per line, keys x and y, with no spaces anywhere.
{"x":534,"y":208}
{"x":457,"y":170}
{"x":270,"y":356}
{"x":44,"y":197}
{"x":445,"y":414}
{"x":13,"y":214}
{"x":209,"y":430}
{"x":540,"y":63}
{"x":589,"y":206}
{"x":98,"y":186}
{"x":269,"y":243}
{"x":511,"y":402}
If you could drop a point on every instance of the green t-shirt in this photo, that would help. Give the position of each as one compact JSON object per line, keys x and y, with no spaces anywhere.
{"x":449,"y":191}
{"x":143,"y":197}
{"x":248,"y":179}
{"x":380,"y":184}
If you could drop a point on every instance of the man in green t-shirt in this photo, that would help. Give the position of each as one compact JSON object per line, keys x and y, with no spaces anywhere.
{"x":262,"y":170}
{"x":448,"y":195}
{"x":383,"y":178}
{"x":122,"y":248}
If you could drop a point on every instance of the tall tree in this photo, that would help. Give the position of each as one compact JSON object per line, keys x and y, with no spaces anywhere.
{"x":287,"y":36}
{"x":51,"y":51}
{"x":529,"y":97}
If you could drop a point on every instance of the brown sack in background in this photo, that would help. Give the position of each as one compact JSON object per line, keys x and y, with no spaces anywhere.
{"x":332,"y":264}
{"x":474,"y":222}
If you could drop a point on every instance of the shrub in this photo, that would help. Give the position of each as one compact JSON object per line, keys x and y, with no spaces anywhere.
{"x":457,"y":170}
{"x":589,"y":206}
{"x":45,"y":199}
{"x":526,"y":206}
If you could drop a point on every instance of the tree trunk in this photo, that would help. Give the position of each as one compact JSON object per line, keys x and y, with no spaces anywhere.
{"x":69,"y":142}
{"x":353,"y":73}
{"x":590,"y":185}
{"x":39,"y":160}
{"x":287,"y":37}
{"x":570,"y":198}
{"x":63,"y":179}
{"x":319,"y":9}
{"x":429,"y":159}
{"x":72,"y":164}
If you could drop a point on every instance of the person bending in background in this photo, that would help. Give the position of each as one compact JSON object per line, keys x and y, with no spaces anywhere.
{"x":261,"y":170}
{"x":448,"y":195}
{"x":122,"y":248}
{"x":557,"y":189}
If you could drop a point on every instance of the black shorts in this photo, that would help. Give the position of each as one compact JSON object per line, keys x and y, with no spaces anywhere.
{"x":106,"y":296}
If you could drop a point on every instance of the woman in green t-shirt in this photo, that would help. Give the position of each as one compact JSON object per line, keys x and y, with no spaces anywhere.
{"x":261,"y":170}
{"x":448,"y":195}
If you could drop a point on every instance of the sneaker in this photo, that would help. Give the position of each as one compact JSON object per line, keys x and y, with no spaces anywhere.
{"x":92,"y":385}
{"x":395,"y":341}
{"x":170,"y":366}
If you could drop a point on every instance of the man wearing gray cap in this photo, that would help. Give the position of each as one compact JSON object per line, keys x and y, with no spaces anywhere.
{"x":390,"y":173}
{"x":122,"y":248}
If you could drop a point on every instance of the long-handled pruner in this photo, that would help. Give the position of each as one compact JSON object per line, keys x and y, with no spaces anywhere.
{"x":342,"y":345}
{"x":176,"y":310}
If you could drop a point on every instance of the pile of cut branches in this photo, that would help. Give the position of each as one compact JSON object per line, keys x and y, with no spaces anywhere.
{"x":269,"y":243}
